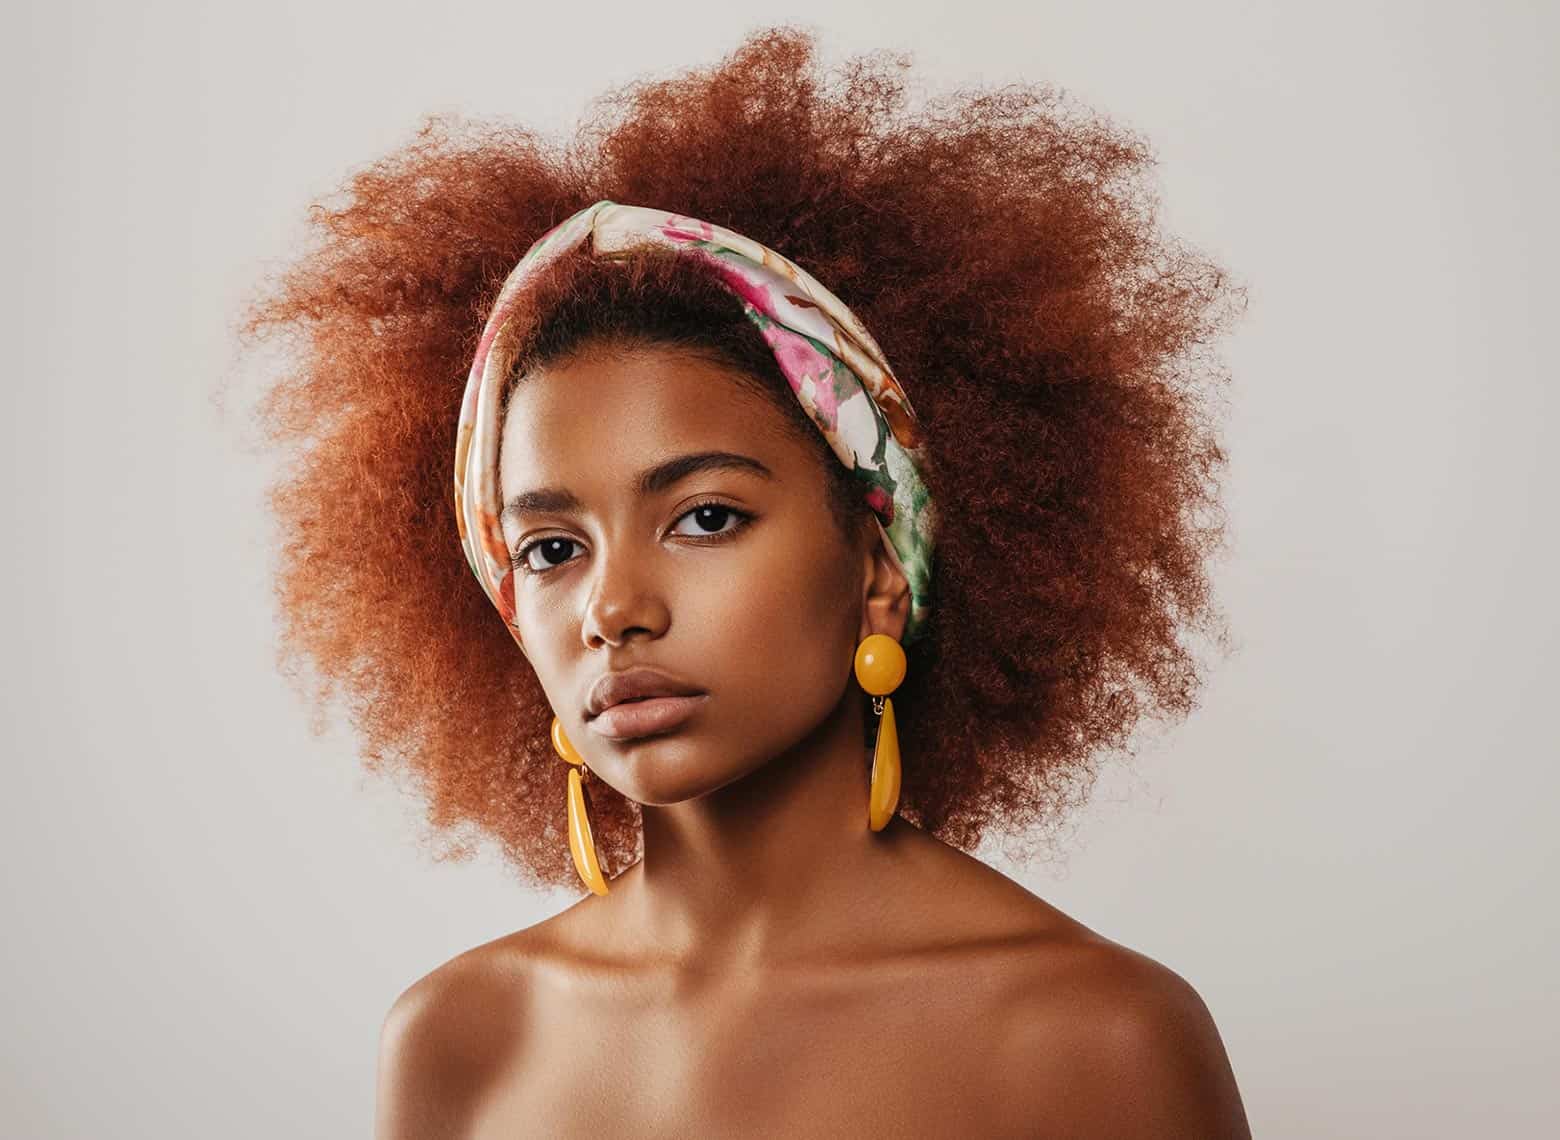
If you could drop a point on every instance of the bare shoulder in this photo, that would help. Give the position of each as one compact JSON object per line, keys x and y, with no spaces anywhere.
{"x":448,"y":1034}
{"x":1095,"y":1039}
{"x":1112,"y":1043}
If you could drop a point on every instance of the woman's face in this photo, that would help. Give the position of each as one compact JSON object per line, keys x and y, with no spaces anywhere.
{"x":664,"y":514}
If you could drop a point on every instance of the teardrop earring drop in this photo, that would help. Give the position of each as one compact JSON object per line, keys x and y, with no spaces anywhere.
{"x":582,"y":844}
{"x":880,"y":667}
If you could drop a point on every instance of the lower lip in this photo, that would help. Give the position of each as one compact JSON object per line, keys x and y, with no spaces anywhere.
{"x":629,"y":719}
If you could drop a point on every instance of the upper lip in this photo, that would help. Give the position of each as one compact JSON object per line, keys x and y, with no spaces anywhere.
{"x":632,"y":684}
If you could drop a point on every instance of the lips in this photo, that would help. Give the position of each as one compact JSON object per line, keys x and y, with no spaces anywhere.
{"x":652,"y":716}
{"x":640,"y":683}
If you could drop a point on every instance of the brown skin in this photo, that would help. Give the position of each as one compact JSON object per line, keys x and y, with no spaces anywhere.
{"x":771,"y":967}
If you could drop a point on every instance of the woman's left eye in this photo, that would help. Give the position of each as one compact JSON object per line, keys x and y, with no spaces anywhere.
{"x":710,"y":519}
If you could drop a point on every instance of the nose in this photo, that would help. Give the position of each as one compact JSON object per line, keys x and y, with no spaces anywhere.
{"x":624,"y":601}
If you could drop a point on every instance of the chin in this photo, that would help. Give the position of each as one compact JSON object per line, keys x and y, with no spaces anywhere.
{"x":658,"y":771}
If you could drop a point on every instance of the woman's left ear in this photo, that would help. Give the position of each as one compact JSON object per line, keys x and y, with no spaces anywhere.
{"x":886,"y":601}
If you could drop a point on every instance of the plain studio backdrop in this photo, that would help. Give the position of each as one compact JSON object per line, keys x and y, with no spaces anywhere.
{"x":1349,"y":848}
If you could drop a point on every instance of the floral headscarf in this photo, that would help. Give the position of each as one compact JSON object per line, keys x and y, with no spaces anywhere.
{"x":834,"y":367}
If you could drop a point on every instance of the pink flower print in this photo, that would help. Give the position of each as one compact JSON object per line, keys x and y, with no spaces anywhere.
{"x":806,"y":368}
{"x":878,"y":500}
{"x":754,"y":292}
{"x":678,"y":233}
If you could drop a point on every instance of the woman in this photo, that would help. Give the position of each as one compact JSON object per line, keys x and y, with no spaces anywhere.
{"x":787,"y":425}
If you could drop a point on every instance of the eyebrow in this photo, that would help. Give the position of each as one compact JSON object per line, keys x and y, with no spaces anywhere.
{"x":651,"y":480}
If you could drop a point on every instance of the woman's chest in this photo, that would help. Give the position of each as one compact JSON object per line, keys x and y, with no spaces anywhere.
{"x":927,"y":1060}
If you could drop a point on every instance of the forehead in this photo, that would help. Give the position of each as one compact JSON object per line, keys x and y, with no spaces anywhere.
{"x":609,"y":411}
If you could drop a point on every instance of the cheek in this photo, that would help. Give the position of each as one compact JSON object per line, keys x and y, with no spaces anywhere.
{"x":551,"y":638}
{"x":776,"y":628}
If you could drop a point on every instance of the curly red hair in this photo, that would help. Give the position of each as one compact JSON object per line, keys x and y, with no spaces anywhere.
{"x":1003,"y":248}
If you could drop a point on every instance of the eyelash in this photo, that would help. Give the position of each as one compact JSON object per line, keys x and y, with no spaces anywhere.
{"x":519,"y":559}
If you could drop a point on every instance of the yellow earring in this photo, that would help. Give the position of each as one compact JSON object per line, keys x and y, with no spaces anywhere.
{"x":880,"y":667}
{"x":581,"y":843}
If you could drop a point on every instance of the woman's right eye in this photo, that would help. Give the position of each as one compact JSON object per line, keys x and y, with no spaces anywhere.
{"x":542,"y":555}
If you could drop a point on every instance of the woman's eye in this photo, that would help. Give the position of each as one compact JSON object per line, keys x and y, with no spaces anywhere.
{"x":703,"y":521}
{"x":545,"y":553}
{"x":709,"y":518}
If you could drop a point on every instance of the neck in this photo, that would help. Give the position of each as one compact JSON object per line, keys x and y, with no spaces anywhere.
{"x":767,"y":868}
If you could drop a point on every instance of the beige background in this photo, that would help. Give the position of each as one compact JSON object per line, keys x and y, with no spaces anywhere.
{"x":1349,"y":849}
